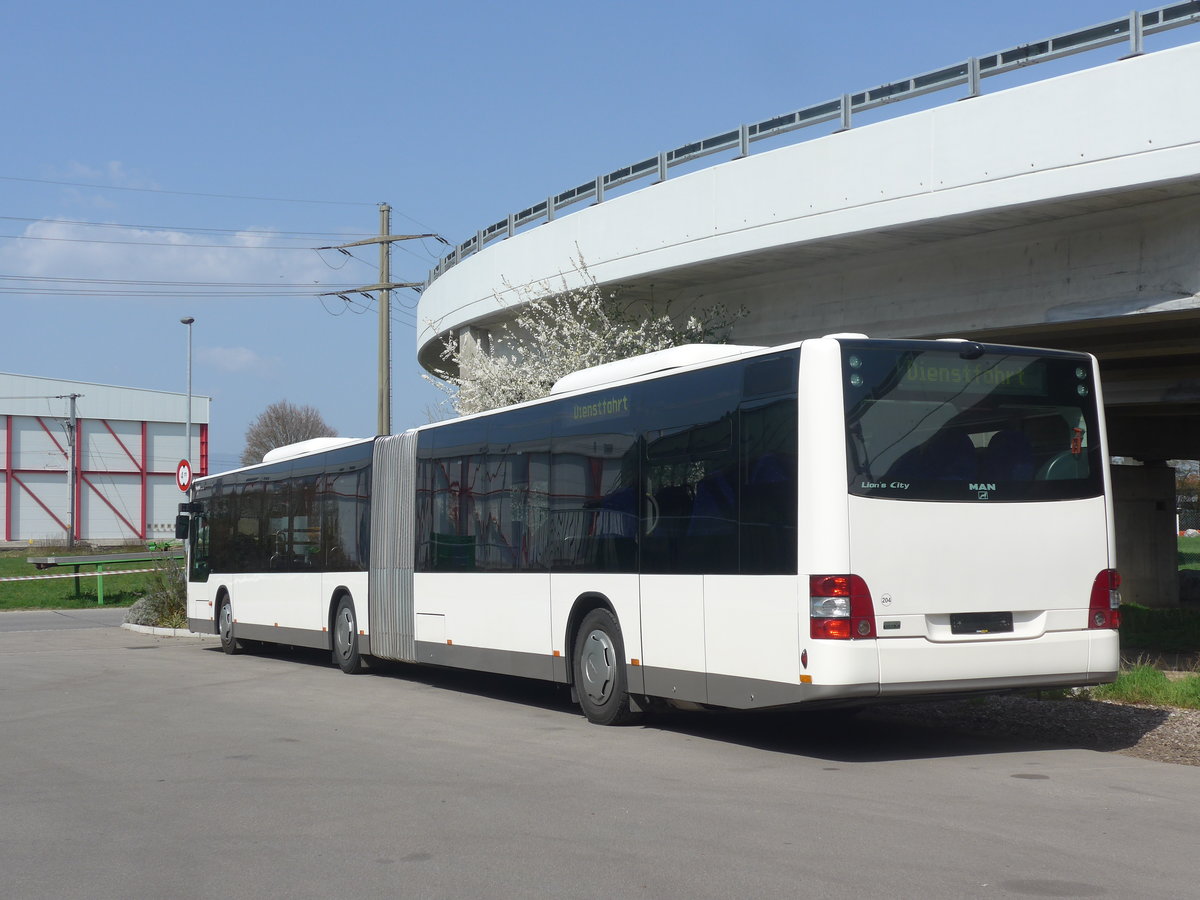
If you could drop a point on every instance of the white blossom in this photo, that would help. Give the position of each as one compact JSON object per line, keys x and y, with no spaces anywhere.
{"x":557,"y":332}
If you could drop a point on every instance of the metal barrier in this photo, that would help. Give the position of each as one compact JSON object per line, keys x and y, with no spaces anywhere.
{"x":100,"y":561}
{"x":1132,"y":29}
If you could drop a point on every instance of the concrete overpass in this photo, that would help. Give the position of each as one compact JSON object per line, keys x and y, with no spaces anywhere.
{"x":1065,"y":212}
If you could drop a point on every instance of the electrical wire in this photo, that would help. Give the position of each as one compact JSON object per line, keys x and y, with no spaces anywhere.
{"x":429,"y":256}
{"x":38,"y":285}
{"x":64,"y":280}
{"x":112,"y":187}
{"x":169,"y":295}
{"x":399,"y":315}
{"x":200,"y":229}
{"x":34,"y":285}
{"x":30,"y":237}
{"x":220,"y":196}
{"x":349,"y":256}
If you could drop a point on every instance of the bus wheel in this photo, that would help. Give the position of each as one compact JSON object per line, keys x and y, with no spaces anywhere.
{"x":225,"y":626}
{"x":345,"y":638}
{"x":600,"y":680}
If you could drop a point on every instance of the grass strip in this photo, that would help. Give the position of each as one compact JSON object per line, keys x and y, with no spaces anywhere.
{"x":1189,"y":552}
{"x":1149,"y":686}
{"x":61,"y":593}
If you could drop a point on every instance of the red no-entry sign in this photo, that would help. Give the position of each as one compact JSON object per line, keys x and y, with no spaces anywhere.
{"x":183,"y":475}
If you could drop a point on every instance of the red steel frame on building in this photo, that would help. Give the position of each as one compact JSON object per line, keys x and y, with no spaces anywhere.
{"x":139,"y":466}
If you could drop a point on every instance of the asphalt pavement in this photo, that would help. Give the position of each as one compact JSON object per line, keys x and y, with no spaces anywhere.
{"x":62,"y":619}
{"x":136,"y":766}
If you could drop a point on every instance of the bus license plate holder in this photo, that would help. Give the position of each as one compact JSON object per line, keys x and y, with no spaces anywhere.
{"x":981,"y":623}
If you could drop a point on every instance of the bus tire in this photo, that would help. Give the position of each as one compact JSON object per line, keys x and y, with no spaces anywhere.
{"x":599,"y":661}
{"x":345,"y":637}
{"x":229,"y":642}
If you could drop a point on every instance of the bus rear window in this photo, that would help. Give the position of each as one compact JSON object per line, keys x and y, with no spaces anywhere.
{"x":1007,"y":425}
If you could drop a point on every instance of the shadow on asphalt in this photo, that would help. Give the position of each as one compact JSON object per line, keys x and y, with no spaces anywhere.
{"x":930,"y":730}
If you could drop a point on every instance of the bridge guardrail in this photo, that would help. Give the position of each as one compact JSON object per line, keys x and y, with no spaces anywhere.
{"x":970,"y":72}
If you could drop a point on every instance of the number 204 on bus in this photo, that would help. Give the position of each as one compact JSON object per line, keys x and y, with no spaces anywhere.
{"x":835,"y":522}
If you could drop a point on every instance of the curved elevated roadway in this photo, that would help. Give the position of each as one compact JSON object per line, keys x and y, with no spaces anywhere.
{"x":1064,"y":212}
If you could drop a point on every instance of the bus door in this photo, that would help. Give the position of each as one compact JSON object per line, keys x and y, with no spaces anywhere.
{"x":686,"y":499}
{"x":689,"y":532}
{"x":718,"y":534}
{"x":291,"y":544}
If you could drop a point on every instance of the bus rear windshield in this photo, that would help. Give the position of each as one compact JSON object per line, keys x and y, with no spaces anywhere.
{"x":957,"y":424}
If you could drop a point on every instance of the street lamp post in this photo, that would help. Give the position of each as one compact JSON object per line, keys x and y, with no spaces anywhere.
{"x":187,"y":440}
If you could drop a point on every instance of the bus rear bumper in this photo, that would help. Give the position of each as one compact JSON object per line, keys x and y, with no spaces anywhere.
{"x":1055,"y":659}
{"x":949,"y":688}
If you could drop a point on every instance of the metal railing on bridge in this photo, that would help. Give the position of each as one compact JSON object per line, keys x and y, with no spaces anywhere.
{"x":1131,"y":29}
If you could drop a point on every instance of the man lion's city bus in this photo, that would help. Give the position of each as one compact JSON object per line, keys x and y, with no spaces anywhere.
{"x":838,"y":521}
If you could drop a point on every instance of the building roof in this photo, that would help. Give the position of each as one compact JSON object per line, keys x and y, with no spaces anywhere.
{"x":32,"y":395}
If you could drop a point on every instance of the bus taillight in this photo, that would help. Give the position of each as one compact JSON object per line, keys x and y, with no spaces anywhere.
{"x":1104,"y":611}
{"x":840,"y":608}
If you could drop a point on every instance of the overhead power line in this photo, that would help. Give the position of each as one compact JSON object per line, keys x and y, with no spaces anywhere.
{"x":49,"y":279}
{"x":37,"y":397}
{"x":113,"y":187}
{"x":283,"y":235}
{"x":195,"y":229}
{"x":99,"y":287}
{"x":57,"y":280}
{"x":29,"y":237}
{"x":163,"y":294}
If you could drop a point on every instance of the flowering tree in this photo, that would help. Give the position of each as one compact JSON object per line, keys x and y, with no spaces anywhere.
{"x":557,"y":332}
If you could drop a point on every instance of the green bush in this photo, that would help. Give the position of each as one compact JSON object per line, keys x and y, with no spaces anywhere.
{"x":1172,"y":630}
{"x":165,"y":602}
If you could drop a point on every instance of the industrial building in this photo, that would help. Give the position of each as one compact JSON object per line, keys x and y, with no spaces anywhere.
{"x":93,"y":460}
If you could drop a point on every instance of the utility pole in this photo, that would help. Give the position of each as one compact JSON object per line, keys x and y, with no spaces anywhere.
{"x":72,"y":465}
{"x":384,"y":289}
{"x":384,"y":412}
{"x":187,"y":433}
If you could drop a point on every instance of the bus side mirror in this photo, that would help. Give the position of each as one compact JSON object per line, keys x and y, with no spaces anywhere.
{"x":183,"y":526}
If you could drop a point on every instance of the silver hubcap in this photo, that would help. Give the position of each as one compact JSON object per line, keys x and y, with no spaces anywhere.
{"x":598,"y":666}
{"x":343,"y":631}
{"x":226,"y":623}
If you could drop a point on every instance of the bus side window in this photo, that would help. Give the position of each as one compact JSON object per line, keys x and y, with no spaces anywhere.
{"x":690,"y":521}
{"x":767,"y":521}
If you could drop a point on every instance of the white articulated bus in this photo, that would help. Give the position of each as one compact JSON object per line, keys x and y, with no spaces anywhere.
{"x":837,"y":521}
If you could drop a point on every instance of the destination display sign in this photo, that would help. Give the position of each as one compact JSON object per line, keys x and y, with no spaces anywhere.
{"x":610,"y":407}
{"x":941,"y":373}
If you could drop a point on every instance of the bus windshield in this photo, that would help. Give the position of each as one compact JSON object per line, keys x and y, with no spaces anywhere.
{"x":970,"y":423}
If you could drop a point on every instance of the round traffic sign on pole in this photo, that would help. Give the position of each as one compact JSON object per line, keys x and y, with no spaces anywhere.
{"x":183,"y":475}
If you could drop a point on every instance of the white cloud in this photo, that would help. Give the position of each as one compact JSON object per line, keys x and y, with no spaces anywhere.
{"x":234,"y":359}
{"x":112,"y":172}
{"x":76,"y":250}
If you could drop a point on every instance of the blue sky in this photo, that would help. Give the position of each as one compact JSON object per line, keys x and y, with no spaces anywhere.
{"x":235,"y":137}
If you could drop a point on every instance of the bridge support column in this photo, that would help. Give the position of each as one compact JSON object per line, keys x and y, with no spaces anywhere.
{"x":1144,"y":513}
{"x":472,"y":341}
